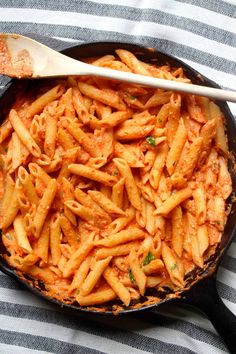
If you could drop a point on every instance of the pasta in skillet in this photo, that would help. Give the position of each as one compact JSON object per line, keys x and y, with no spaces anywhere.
{"x":109,"y":189}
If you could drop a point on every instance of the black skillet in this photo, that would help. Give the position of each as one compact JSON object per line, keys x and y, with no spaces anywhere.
{"x":200,"y":290}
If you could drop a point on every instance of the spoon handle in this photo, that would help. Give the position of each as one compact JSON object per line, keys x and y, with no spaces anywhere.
{"x":219,"y":94}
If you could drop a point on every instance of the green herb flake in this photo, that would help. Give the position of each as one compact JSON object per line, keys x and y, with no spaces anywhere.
{"x":151,"y":140}
{"x":174,"y":266}
{"x":133,"y":97}
{"x":131,"y":276}
{"x":148,"y":258}
{"x":115,"y":173}
{"x":217,"y":222}
{"x":77,"y":292}
{"x":126,"y":133}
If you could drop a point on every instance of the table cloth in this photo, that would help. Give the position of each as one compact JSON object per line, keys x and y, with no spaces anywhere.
{"x":203,"y":34}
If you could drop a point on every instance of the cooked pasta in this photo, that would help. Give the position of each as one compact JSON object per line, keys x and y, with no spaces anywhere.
{"x":109,"y":189}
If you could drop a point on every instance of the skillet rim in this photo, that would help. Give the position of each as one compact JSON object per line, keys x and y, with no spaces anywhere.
{"x":196,"y":77}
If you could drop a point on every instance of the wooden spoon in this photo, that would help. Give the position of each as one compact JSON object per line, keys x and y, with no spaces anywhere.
{"x":23,"y":57}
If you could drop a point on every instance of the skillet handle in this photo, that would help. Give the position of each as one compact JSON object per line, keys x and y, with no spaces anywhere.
{"x":204,"y":295}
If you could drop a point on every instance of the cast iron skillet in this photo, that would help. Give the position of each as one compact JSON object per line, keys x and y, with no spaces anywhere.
{"x":200,"y":290}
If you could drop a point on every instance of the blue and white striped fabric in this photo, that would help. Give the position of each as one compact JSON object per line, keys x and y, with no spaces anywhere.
{"x":203,"y":34}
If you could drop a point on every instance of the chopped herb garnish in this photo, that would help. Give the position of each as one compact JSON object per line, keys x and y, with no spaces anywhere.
{"x":148,"y":258}
{"x":115,"y":173}
{"x":174,"y":266}
{"x":126,"y":133}
{"x":131,"y":276}
{"x":151,"y":140}
{"x":77,"y":292}
{"x":132,"y":97}
{"x":217,"y":222}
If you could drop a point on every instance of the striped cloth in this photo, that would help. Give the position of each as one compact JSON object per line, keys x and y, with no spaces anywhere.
{"x":203,"y":34}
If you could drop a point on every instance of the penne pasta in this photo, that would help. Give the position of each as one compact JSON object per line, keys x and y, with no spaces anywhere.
{"x":43,"y":207}
{"x":109,"y":97}
{"x":87,"y":201}
{"x":21,"y":236}
{"x":176,"y":147}
{"x":42,"y":101}
{"x":92,"y":173}
{"x":224,"y":179}
{"x":94,"y":275}
{"x":77,"y":258}
{"x":132,"y":62}
{"x":38,"y":173}
{"x":96,"y":298}
{"x":114,"y":119}
{"x":220,"y":137}
{"x":28,"y":186}
{"x":16,"y":151}
{"x":155,"y":266}
{"x":67,"y":194}
{"x":208,"y":133}
{"x":69,"y":231}
{"x":177,"y":231}
{"x":55,"y":239}
{"x":121,"y":222}
{"x":24,"y":134}
{"x":199,"y":197}
{"x":133,"y":132}
{"x":138,"y":273}
{"x":80,"y":210}
{"x":173,"y":201}
{"x":216,"y":212}
{"x":80,"y":275}
{"x":117,"y":192}
{"x":9,"y":211}
{"x":203,"y":239}
{"x":173,"y":116}
{"x":65,"y":139}
{"x":194,"y":110}
{"x":50,"y":135}
{"x":105,"y":203}
{"x":77,"y":133}
{"x":130,"y":184}
{"x":5,"y":131}
{"x":121,"y":237}
{"x":134,"y":157}
{"x":8,"y":192}
{"x":41,"y":248}
{"x":120,"y":250}
{"x":121,"y":291}
{"x":172,"y":266}
{"x":158,"y":165}
{"x":158,"y":99}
